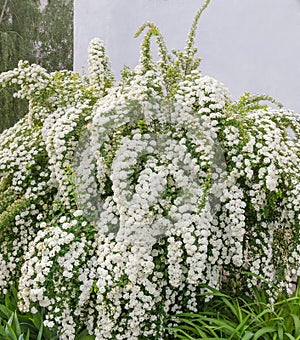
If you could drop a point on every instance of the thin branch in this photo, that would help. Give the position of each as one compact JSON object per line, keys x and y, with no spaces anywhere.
{"x":192,"y":33}
{"x":3,"y":11}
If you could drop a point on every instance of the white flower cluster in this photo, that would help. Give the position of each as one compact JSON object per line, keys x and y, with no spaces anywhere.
{"x":31,"y":79}
{"x":117,"y":203}
{"x":99,"y":69}
{"x":56,"y":256}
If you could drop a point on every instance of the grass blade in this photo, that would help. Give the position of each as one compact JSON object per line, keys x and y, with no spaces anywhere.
{"x":17,"y":324}
{"x":290,"y":336}
{"x":10,"y":332}
{"x":296,"y":324}
{"x":262,"y":331}
{"x":5,"y":312}
{"x":247,"y":336}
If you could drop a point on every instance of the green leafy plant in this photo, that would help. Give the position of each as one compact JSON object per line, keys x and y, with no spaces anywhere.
{"x":15,"y":325}
{"x":248,"y":318}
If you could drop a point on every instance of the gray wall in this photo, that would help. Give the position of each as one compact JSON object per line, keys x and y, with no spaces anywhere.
{"x":249,"y":45}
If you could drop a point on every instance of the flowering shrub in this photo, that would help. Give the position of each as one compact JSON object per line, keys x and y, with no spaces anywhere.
{"x":118,"y":199}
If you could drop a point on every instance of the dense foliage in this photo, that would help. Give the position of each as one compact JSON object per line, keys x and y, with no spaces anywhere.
{"x":227,"y":317}
{"x":118,"y":199}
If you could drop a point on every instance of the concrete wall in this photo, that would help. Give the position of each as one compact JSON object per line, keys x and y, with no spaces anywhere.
{"x":249,"y":45}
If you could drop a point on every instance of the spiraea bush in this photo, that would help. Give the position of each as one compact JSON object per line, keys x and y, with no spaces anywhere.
{"x":119,"y":199}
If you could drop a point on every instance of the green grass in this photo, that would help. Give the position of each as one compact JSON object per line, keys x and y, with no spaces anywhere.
{"x":226,"y":317}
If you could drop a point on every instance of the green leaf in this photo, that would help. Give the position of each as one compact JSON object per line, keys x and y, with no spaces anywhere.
{"x":49,"y":334}
{"x":280,"y":331}
{"x":243,"y":325}
{"x":248,"y":335}
{"x":10,"y":332}
{"x":10,"y":320}
{"x":262,"y":331}
{"x":5,"y":312}
{"x":40,"y":334}
{"x":84,"y":335}
{"x":3,"y":333}
{"x":10,"y":301}
{"x":16,"y":324}
{"x":191,"y":326}
{"x":259,"y":317}
{"x":296,"y":324}
{"x":234,"y":307}
{"x":185,"y":336}
{"x":226,"y":326}
{"x":37,"y":320}
{"x":290,"y":336}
